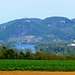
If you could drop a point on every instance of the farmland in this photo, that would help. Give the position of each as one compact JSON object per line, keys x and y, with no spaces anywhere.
{"x":35,"y":73}
{"x":37,"y":65}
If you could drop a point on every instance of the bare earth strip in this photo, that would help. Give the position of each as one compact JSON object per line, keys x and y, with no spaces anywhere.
{"x":34,"y":73}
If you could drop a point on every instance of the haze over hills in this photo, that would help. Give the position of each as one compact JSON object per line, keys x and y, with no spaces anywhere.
{"x":34,"y":29}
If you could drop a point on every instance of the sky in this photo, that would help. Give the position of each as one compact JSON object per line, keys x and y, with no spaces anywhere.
{"x":17,"y":9}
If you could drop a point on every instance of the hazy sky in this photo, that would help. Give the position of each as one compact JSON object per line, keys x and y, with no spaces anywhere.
{"x":16,"y":9}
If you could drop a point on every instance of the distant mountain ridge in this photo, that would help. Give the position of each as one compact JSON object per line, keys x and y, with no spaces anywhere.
{"x":35,"y":29}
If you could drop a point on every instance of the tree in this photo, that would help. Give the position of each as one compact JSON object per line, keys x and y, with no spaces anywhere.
{"x":28,"y":50}
{"x":28,"y":55}
{"x":21,"y":55}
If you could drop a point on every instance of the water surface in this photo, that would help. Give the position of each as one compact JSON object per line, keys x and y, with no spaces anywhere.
{"x":25,"y":46}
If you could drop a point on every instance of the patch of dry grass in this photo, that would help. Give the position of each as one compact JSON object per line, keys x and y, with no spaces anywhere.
{"x":34,"y":73}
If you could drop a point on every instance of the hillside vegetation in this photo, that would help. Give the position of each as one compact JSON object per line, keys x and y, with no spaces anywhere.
{"x":59,"y":28}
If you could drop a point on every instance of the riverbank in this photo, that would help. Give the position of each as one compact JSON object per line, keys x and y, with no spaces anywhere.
{"x":34,"y":73}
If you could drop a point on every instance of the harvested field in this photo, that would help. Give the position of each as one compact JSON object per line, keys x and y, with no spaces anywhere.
{"x":34,"y":73}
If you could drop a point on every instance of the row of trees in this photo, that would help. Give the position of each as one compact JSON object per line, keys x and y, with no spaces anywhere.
{"x":6,"y":53}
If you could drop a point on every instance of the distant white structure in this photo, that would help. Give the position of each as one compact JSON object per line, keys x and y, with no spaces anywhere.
{"x":57,"y":54}
{"x":49,"y":25}
{"x":3,"y":28}
{"x":22,"y":47}
{"x":54,"y":39}
{"x":27,"y":21}
{"x":74,"y":40}
{"x":25,"y":17}
{"x":19,"y":42}
{"x":62,"y":21}
{"x":71,"y":45}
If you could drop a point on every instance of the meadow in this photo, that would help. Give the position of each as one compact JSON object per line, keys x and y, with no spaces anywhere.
{"x":37,"y":65}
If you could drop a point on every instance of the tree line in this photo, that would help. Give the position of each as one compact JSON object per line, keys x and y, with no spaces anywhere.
{"x":6,"y":53}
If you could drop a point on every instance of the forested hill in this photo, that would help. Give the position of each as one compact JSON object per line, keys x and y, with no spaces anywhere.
{"x":34,"y":29}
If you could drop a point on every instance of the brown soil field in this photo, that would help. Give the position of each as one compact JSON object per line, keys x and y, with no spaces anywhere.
{"x":34,"y":73}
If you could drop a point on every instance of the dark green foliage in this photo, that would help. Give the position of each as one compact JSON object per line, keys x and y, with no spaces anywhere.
{"x":21,"y":55}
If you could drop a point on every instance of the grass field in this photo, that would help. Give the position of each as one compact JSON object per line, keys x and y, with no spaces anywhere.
{"x":37,"y":65}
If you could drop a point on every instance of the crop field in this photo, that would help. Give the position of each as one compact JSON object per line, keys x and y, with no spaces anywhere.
{"x":37,"y":65}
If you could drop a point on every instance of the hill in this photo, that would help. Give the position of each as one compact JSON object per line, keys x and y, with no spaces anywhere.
{"x":35,"y":30}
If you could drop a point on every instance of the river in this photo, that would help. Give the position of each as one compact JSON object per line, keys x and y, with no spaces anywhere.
{"x":25,"y":46}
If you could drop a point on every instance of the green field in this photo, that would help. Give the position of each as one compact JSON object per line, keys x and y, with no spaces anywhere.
{"x":37,"y":65}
